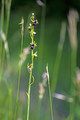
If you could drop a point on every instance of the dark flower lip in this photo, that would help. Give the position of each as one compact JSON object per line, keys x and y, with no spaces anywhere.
{"x":32,"y":46}
{"x":35,"y":22}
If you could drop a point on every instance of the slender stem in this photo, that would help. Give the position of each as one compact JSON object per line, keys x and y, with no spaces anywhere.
{"x":29,"y":88}
{"x":30,"y":76}
{"x":8,"y":7}
{"x":10,"y":103}
{"x":2,"y":15}
{"x":50,"y":96}
{"x":2,"y":62}
{"x":31,"y":66}
{"x":73,"y":77}
{"x":18,"y":92}
{"x":19,"y":70}
{"x":2,"y":27}
{"x":9,"y":88}
{"x":58,"y":56}
{"x":3,"y":45}
{"x":72,"y":21}
{"x":42,"y":37}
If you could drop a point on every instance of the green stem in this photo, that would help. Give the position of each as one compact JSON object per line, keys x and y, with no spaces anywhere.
{"x":29,"y":88}
{"x":2,"y":28}
{"x":2,"y":15}
{"x":18,"y":93}
{"x":2,"y":63}
{"x":10,"y":104}
{"x":50,"y":96}
{"x":19,"y":72}
{"x":58,"y":56}
{"x":8,"y":7}
{"x":6,"y":32}
{"x":30,"y":77}
{"x":73,"y":77}
{"x":42,"y":38}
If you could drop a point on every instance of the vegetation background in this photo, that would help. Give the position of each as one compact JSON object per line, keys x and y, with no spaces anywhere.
{"x":48,"y":36}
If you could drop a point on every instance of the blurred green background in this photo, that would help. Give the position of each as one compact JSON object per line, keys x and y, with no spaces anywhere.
{"x":48,"y":36}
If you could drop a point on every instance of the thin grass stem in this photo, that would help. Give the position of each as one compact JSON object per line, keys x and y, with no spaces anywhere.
{"x":30,"y":78}
{"x":58,"y":56}
{"x":50,"y":96}
{"x":2,"y":28}
{"x":19,"y":69}
{"x":73,"y":18}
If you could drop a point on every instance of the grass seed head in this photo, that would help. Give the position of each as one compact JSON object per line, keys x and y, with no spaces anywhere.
{"x":41,"y":91}
{"x":24,"y":55}
{"x":73,"y":18}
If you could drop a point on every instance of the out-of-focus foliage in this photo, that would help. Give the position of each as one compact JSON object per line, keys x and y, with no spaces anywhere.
{"x":52,"y":4}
